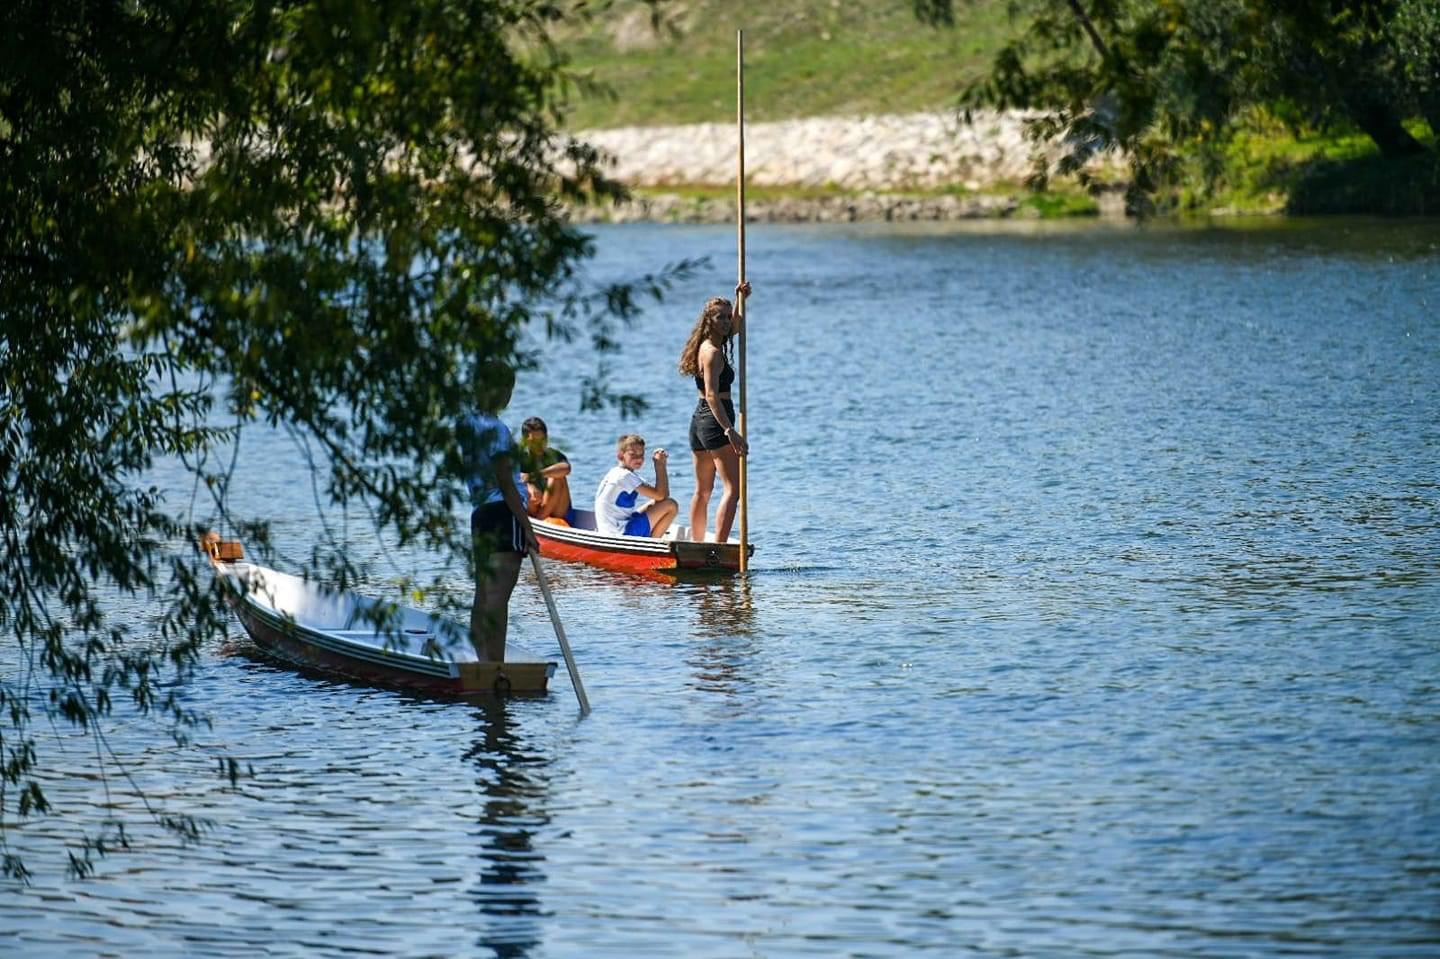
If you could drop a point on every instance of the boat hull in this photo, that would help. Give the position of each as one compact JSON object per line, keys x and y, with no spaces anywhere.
{"x":636,"y":554}
{"x":361,"y":654}
{"x":470,"y":679}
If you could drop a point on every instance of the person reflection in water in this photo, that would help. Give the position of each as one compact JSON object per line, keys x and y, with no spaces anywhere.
{"x":512,"y":780}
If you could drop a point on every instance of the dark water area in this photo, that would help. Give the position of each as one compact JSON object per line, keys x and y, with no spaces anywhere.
{"x":1095,"y":611}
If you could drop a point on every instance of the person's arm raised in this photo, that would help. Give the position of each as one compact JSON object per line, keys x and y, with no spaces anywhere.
{"x":737,"y":319}
{"x":661,"y":489}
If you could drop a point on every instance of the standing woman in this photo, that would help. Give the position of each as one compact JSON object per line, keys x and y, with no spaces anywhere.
{"x":714,"y":442}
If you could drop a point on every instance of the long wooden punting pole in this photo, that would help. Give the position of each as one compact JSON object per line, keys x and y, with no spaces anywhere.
{"x":560,"y":634}
{"x":740,"y":300}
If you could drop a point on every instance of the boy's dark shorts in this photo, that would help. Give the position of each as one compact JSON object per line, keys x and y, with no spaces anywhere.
{"x":499,"y":527}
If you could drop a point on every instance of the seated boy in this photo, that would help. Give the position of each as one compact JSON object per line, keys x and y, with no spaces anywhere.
{"x":615,"y":509}
{"x":546,"y":472}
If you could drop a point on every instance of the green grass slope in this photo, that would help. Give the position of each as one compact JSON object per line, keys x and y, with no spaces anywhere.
{"x":807,"y":58}
{"x":1270,"y":169}
{"x":802,"y":58}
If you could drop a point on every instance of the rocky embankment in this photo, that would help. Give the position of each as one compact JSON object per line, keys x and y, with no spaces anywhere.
{"x":927,"y":166}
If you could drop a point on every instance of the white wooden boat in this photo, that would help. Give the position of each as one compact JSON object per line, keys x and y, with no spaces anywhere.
{"x":307,"y":624}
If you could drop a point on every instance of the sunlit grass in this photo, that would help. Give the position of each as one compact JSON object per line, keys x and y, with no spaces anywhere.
{"x":802,"y":58}
{"x":809,"y":58}
{"x":1269,"y":169}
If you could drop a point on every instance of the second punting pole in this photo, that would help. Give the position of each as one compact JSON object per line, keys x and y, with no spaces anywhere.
{"x":740,"y":300}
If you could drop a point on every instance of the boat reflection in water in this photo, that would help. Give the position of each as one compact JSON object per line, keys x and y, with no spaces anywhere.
{"x":723,"y":626}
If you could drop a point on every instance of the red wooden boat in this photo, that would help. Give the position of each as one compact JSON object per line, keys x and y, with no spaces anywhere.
{"x":671,"y":554}
{"x":304,"y":623}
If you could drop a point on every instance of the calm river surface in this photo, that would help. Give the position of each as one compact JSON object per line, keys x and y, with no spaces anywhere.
{"x":1096,"y":611}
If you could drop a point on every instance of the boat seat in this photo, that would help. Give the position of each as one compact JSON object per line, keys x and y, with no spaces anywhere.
{"x":349,"y":633}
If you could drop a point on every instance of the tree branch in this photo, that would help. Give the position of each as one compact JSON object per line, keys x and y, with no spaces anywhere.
{"x":1088,"y":26}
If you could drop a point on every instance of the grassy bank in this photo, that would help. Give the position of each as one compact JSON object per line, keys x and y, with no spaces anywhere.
{"x":854,"y":57}
{"x":802,"y":58}
{"x":1268,"y":169}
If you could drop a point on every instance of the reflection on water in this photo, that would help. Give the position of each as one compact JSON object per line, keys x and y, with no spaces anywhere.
{"x":1096,"y":588}
{"x":724,"y":633}
{"x":716,"y":613}
{"x":723,"y":607}
{"x":512,"y":782}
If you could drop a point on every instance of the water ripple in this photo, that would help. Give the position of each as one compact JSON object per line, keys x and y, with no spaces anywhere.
{"x":1094,"y":614}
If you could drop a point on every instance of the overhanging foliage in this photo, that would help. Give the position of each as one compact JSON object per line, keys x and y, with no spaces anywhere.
{"x":1161,"y":81}
{"x":324,"y":215}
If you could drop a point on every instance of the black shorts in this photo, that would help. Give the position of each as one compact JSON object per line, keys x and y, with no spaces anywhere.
{"x":499,"y":527}
{"x":705,"y":433}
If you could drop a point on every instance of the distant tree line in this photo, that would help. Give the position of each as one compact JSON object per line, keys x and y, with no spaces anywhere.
{"x":1164,"y":79}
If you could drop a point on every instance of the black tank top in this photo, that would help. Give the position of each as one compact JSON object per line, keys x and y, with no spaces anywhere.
{"x":726,"y":378}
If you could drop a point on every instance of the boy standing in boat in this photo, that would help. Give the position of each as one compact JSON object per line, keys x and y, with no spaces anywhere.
{"x":500,"y":524}
{"x":546,"y":473}
{"x":615,"y":509}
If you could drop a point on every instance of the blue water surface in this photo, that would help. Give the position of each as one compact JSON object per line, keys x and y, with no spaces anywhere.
{"x":1096,"y":611}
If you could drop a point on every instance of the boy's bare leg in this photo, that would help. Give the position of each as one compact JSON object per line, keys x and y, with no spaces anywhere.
{"x":661,"y":514}
{"x":556,"y":501}
{"x":490,"y":614}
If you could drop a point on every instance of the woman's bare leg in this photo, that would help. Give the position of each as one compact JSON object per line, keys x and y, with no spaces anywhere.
{"x":700,"y":502}
{"x":727,"y":461}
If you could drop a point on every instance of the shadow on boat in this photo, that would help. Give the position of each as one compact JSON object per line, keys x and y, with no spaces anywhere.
{"x":363,"y":640}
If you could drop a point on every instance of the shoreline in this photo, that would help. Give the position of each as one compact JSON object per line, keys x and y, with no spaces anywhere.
{"x":936,"y":167}
{"x":871,"y":207}
{"x":898,"y":167}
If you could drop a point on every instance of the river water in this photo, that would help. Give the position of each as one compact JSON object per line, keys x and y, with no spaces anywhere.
{"x":1095,"y":611}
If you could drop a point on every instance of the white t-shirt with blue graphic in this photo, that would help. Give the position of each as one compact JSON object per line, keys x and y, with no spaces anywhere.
{"x":615,"y":500}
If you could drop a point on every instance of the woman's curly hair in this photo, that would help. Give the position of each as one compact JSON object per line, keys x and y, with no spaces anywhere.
{"x":715,"y":307}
